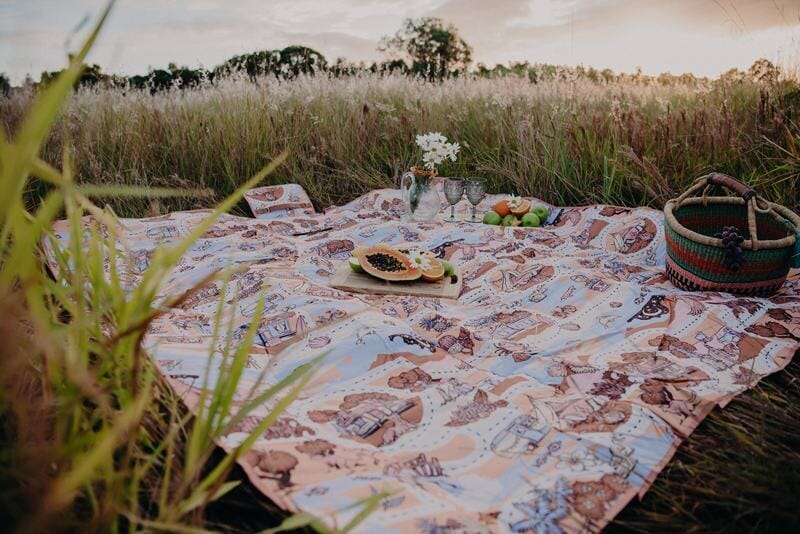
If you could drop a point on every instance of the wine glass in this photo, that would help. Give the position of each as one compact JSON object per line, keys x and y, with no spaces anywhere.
{"x":476,"y":190}
{"x":453,"y":191}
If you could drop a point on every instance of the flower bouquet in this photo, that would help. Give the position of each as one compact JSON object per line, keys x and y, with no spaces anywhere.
{"x":421,"y":199}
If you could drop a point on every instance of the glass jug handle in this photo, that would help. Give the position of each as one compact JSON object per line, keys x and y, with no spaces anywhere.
{"x":406,"y":190}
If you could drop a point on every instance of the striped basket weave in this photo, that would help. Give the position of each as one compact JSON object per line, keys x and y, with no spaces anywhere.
{"x":700,"y":257}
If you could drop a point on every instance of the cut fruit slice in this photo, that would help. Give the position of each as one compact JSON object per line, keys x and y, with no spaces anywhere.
{"x":522,"y":208}
{"x":435,"y":272}
{"x":355,"y":265}
{"x":387,"y":263}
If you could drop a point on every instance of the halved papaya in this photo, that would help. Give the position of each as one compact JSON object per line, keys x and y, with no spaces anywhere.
{"x":386,"y":263}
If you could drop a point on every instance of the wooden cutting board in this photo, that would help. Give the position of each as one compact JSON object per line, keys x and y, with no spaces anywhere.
{"x":346,"y":279}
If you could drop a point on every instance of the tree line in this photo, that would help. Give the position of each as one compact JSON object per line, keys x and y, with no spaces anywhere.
{"x":427,"y":48}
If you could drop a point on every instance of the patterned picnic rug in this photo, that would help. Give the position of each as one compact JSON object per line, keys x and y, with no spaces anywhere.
{"x":543,"y":400}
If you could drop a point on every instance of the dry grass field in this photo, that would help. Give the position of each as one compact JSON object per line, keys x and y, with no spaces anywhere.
{"x":568,"y":140}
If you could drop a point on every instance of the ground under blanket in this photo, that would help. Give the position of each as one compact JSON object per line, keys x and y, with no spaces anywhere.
{"x":543,"y":400}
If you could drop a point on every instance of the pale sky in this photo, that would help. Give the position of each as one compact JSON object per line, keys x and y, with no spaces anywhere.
{"x":702,"y":36}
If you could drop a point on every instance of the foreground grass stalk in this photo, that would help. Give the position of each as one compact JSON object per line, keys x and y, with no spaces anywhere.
{"x":92,"y":436}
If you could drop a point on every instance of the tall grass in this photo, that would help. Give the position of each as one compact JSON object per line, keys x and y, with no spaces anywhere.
{"x":91,"y":436}
{"x":568,"y":140}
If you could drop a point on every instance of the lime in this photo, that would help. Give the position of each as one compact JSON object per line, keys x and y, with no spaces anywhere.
{"x":449,"y":270}
{"x":531,"y":220}
{"x":542,"y":212}
{"x":355,"y":265}
{"x":492,"y":217}
{"x":510,"y":220}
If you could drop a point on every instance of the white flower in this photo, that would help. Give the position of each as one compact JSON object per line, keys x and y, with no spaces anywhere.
{"x":452,"y":150}
{"x":436,"y":149}
{"x":431,"y":159}
{"x":419,"y":260}
{"x":436,"y":137}
{"x":424,"y":142}
{"x":514,"y":201}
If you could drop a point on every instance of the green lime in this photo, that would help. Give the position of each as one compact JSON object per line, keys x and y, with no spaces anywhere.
{"x":355,"y":265}
{"x":449,"y":270}
{"x":510,"y":220}
{"x":531,"y":220}
{"x":542,"y":212}
{"x":492,"y":217}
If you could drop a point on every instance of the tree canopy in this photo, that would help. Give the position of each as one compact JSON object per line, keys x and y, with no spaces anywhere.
{"x":286,"y":63}
{"x":91,"y":76}
{"x":763,"y":70}
{"x":434,"y":49}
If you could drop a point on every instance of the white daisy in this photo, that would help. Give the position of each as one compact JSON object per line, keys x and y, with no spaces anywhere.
{"x":436,"y":149}
{"x":419,"y":260}
{"x":424,"y":142}
{"x":514,"y":202}
{"x":436,"y":137}
{"x":452,"y":150}
{"x":431,"y":159}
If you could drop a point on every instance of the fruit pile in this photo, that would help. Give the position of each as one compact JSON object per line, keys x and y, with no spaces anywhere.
{"x":398,"y":265}
{"x":516,"y":211}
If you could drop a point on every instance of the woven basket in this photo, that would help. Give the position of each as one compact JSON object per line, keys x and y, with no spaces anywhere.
{"x":697,"y":260}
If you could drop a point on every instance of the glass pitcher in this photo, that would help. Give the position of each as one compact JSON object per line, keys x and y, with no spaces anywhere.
{"x":420,"y":195}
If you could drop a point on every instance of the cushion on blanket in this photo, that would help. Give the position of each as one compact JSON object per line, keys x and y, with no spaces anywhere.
{"x":277,"y":201}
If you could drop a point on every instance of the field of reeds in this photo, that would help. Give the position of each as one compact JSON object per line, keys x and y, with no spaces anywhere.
{"x":568,"y":140}
{"x":105,"y":446}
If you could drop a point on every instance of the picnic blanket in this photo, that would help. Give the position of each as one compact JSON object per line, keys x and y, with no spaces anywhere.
{"x":544,"y":399}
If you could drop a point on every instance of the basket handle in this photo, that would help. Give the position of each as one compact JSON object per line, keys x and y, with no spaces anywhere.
{"x":748,"y":195}
{"x":744,"y":191}
{"x":715,"y":178}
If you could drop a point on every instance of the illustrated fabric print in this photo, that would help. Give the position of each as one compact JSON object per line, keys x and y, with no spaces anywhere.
{"x":479,"y":408}
{"x":375,"y":418}
{"x":544,"y":399}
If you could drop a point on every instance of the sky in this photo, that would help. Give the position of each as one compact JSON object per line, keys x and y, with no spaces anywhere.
{"x":705,"y":37}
